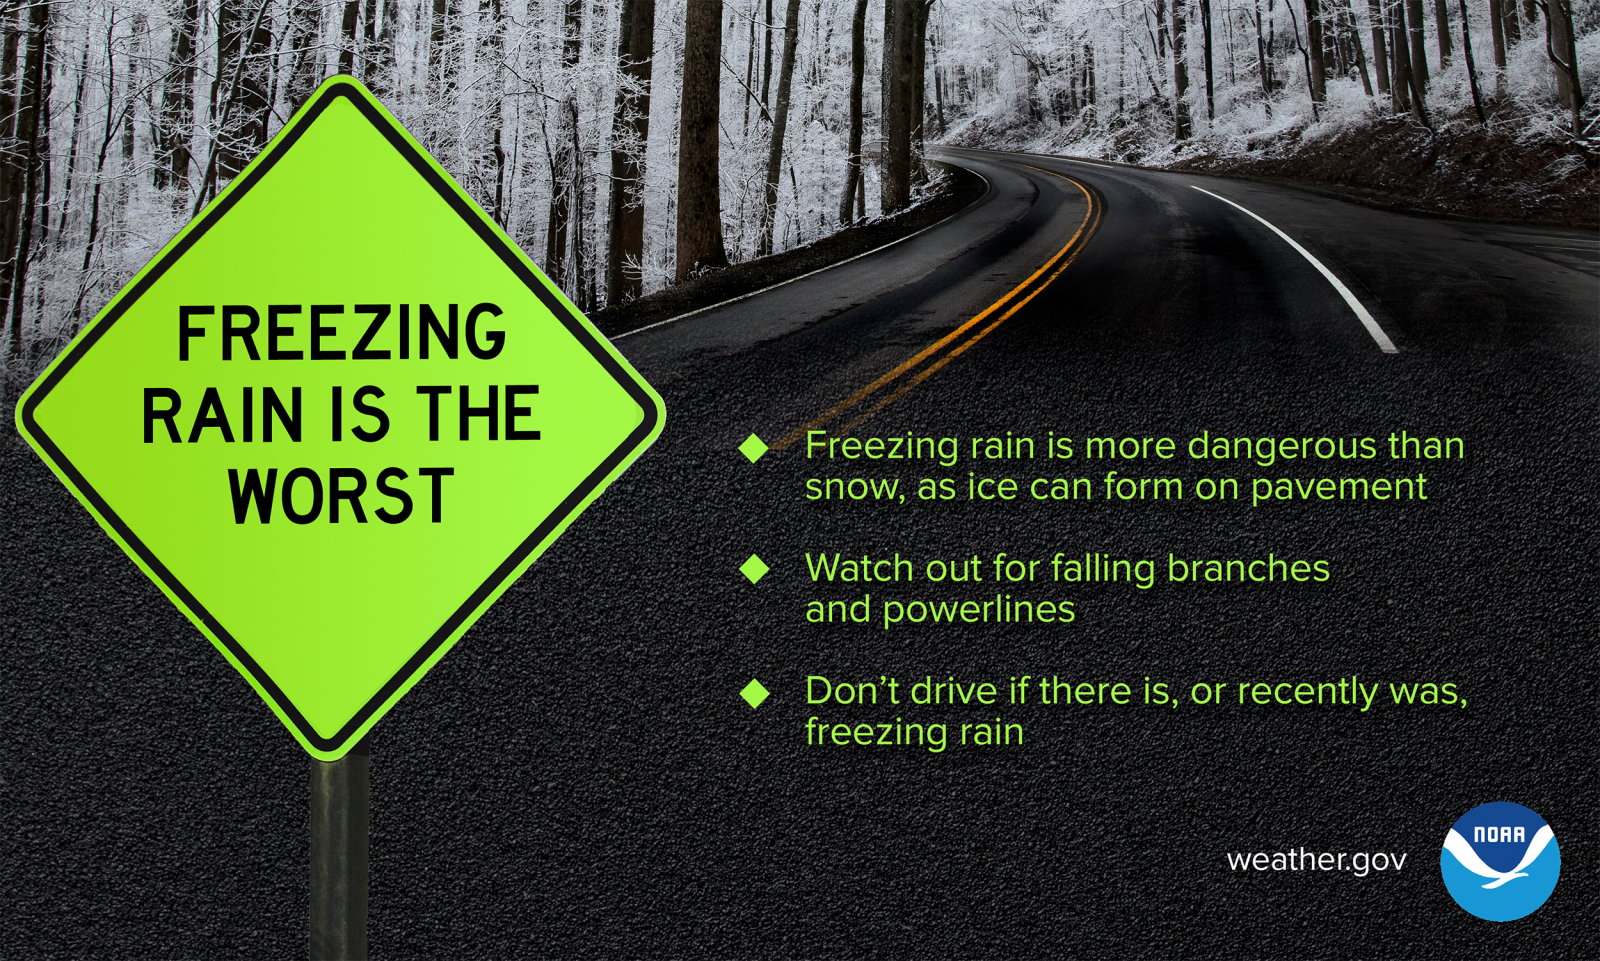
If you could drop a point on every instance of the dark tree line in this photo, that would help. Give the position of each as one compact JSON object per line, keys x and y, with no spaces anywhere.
{"x":625,"y":144}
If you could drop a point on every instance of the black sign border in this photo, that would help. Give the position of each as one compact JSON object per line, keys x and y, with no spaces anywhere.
{"x":346,"y":89}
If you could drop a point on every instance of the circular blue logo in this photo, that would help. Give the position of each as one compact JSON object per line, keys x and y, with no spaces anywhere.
{"x":1500,"y":861}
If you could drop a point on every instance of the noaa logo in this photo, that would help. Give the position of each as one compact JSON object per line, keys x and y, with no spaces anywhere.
{"x":1500,"y":861}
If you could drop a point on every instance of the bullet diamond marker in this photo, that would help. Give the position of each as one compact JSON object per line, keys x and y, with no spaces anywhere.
{"x":754,"y":569}
{"x":753,"y":448}
{"x":754,"y":693}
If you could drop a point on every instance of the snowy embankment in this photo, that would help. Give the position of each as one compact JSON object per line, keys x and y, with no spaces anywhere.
{"x":1523,"y":163}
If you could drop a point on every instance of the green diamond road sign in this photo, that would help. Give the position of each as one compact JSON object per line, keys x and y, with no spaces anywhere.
{"x":337,"y":416}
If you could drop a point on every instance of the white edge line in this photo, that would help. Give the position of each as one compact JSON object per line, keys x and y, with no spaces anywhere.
{"x":734,"y":300}
{"x":1384,"y":343}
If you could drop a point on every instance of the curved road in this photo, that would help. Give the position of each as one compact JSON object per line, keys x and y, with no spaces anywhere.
{"x":1158,"y":265}
{"x":580,"y":778}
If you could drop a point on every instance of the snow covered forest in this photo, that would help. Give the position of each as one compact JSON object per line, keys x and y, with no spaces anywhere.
{"x":628,"y":144}
{"x":1139,"y":78}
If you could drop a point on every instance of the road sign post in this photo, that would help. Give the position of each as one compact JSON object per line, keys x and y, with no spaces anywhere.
{"x":340,"y":792}
{"x":333,"y":420}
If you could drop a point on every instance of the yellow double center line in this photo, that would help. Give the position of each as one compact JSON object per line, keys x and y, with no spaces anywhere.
{"x":953,"y":344}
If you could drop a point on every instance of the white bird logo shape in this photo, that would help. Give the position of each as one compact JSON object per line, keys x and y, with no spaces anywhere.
{"x":1457,"y":845}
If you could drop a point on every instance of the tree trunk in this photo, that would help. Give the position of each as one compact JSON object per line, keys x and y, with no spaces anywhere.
{"x":94,"y":196}
{"x":1407,"y":78}
{"x":766,"y":60}
{"x":582,"y":283}
{"x":1354,"y":31}
{"x":1472,"y":68}
{"x":1513,"y":23}
{"x":749,"y":73}
{"x":225,"y":158}
{"x":229,"y":27}
{"x":635,"y":47}
{"x":72,"y":147}
{"x":780,"y":124}
{"x":1380,"y":49}
{"x":178,"y":101}
{"x":699,"y":238}
{"x":131,"y":96}
{"x":1211,"y":85}
{"x":1094,"y":95}
{"x":899,"y":96}
{"x":30,"y":104}
{"x":919,"y":79}
{"x":44,"y":154}
{"x":438,"y":19}
{"x":1263,"y":62}
{"x":305,"y":27}
{"x":13,"y":171}
{"x":564,"y":159}
{"x":1561,"y":47}
{"x":1441,"y":17}
{"x":1305,"y":55}
{"x":492,"y":51}
{"x":255,"y":99}
{"x":239,"y":110}
{"x":1497,"y":39}
{"x":1399,"y":48}
{"x":858,"y":57}
{"x":347,"y":37}
{"x":388,"y":38}
{"x":8,"y":66}
{"x":1318,"y":67}
{"x":370,"y":51}
{"x":1419,"y":44}
{"x":1180,"y":72}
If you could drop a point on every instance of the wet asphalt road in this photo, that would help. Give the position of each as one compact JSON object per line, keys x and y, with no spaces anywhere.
{"x":580,"y":778}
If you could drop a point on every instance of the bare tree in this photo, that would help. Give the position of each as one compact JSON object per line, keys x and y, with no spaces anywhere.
{"x":371,"y":53}
{"x":238,"y":97}
{"x":766,"y":59}
{"x":1419,"y":46}
{"x":1441,"y":18}
{"x":13,"y":172}
{"x":1380,"y":49}
{"x":1561,"y":47}
{"x":1182,"y":126}
{"x":1316,"y":68}
{"x":564,"y":153}
{"x":72,"y":138}
{"x":1352,"y":33}
{"x":31,"y":103}
{"x":1513,"y":22}
{"x":938,"y":78}
{"x":858,"y":57}
{"x":919,"y":74}
{"x":900,"y":18}
{"x":1263,"y":58}
{"x":347,"y":36}
{"x":1497,"y":42}
{"x":305,"y":28}
{"x":699,"y":193}
{"x":1406,"y":80}
{"x":780,"y":124}
{"x":1472,"y":68}
{"x":1400,"y":74}
{"x":178,"y":101}
{"x":491,"y":50}
{"x":635,"y":46}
